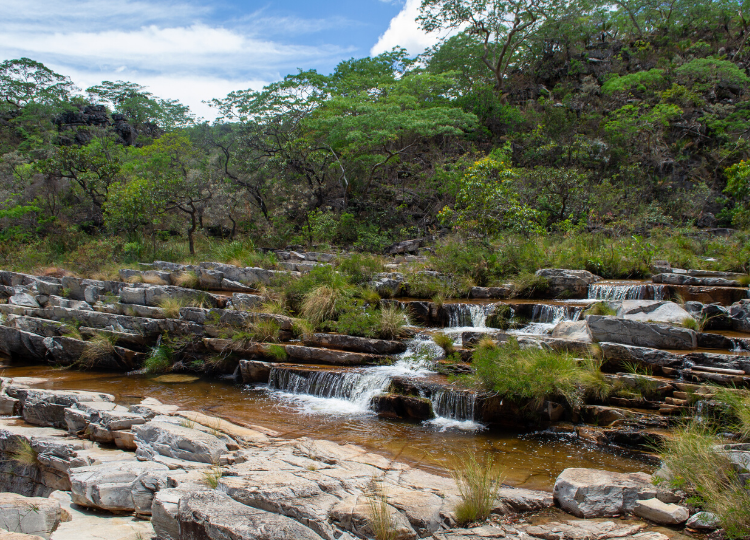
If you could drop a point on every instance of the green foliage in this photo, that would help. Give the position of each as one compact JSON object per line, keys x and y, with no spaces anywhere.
{"x":444,"y":341}
{"x":533,"y":375}
{"x":711,"y":72}
{"x":478,"y":484}
{"x":278,"y":352}
{"x":160,"y":360}
{"x":639,"y":81}
{"x":738,"y":186}
{"x":360,"y":267}
{"x":600,"y":308}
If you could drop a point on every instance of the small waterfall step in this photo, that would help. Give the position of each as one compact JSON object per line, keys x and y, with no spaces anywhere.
{"x":615,"y":292}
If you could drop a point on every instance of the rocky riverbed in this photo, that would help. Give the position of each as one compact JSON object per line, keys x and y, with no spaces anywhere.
{"x":77,"y":460}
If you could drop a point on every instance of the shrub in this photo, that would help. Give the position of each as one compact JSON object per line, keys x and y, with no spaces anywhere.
{"x":392,"y":322}
{"x":533,"y":374}
{"x":360,"y":267}
{"x":478,"y":484}
{"x":325,"y":303}
{"x":98,"y":348}
{"x":529,"y":284}
{"x":187,"y":279}
{"x":160,"y":360}
{"x":172,"y":306}
{"x":600,"y":308}
{"x":444,"y":341}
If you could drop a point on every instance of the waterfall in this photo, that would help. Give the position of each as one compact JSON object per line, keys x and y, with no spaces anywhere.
{"x":614,"y":293}
{"x":658,"y":292}
{"x":356,"y":387}
{"x":545,"y":317}
{"x":454,"y":404}
{"x":468,"y":315}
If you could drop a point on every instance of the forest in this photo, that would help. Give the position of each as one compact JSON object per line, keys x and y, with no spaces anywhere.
{"x":539,"y":118}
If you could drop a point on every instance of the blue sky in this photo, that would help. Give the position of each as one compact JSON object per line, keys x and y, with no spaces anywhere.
{"x":194,"y":50}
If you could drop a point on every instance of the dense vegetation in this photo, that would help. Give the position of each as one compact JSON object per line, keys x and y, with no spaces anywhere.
{"x":535,"y":118}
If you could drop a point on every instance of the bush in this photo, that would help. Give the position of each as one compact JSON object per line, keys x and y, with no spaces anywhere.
{"x":160,"y":360}
{"x":478,"y":484}
{"x":533,"y":375}
{"x":444,"y":341}
{"x":360,"y":267}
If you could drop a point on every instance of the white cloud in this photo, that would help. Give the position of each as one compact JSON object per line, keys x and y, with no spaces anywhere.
{"x":404,"y":31}
{"x":178,"y":49}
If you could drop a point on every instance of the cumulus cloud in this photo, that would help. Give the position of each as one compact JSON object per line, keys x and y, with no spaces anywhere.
{"x":177,"y":49}
{"x":404,"y":31}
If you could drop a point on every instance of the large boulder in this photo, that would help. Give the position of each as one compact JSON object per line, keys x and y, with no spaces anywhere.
{"x":568,"y":283}
{"x":640,"y":334}
{"x":47,"y":407}
{"x":617,"y":353}
{"x":212,"y":515}
{"x":109,"y":486}
{"x":652,"y":311}
{"x":177,"y":441}
{"x":573,"y":330}
{"x":255,"y":371}
{"x":591,"y":493}
{"x":29,"y":515}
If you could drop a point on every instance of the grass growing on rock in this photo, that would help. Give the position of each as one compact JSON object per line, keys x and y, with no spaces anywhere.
{"x":24,"y":454}
{"x":187,"y":279}
{"x":695,"y":462}
{"x":381,"y":521}
{"x":478,"y":484}
{"x":97,"y":348}
{"x":444,"y":341}
{"x":533,"y":375}
{"x":172,"y":307}
{"x":160,"y":360}
{"x":600,"y":308}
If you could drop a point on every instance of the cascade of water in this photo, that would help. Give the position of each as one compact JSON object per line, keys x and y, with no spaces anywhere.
{"x":454,"y":404}
{"x":659,"y":291}
{"x":614,"y":293}
{"x":468,"y":315}
{"x":353,"y":386}
{"x":545,"y":317}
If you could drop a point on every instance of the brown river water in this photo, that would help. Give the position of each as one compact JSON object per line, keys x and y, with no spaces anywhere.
{"x":530,"y":461}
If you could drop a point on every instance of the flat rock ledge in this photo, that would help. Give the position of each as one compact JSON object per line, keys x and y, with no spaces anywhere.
{"x":191,"y":476}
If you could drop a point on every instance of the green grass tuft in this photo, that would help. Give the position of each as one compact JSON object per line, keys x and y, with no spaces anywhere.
{"x":478,"y":484}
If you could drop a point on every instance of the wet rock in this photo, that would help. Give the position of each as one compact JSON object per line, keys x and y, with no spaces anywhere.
{"x":400,"y":406}
{"x":29,"y":515}
{"x":714,"y":341}
{"x":356,"y":344}
{"x":109,"y":486}
{"x":213,"y":515}
{"x":176,"y":441}
{"x":661,"y":513}
{"x":255,"y":371}
{"x":592,"y":493}
{"x":659,"y":336}
{"x":600,"y":415}
{"x":652,"y":311}
{"x":568,"y":283}
{"x":703,"y":521}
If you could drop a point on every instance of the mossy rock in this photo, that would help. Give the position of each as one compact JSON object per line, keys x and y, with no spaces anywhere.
{"x":175,"y":378}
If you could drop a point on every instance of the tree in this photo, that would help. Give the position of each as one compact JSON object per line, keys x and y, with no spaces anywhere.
{"x":25,"y":81}
{"x":487,"y":202}
{"x":502,"y":25}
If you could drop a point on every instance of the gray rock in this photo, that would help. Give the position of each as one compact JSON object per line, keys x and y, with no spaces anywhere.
{"x":703,"y":521}
{"x":352,"y":343}
{"x":255,"y":371}
{"x":22,"y":345}
{"x":618,"y":353}
{"x":246,"y":302}
{"x":568,"y":283}
{"x":29,"y":515}
{"x":516,"y":500}
{"x":661,"y":513}
{"x":23,"y":300}
{"x":685,"y":279}
{"x":573,"y":330}
{"x":109,"y":486}
{"x":590,"y":493}
{"x":47,"y":407}
{"x":213,"y":515}
{"x":652,"y":311}
{"x":176,"y":441}
{"x":659,"y":336}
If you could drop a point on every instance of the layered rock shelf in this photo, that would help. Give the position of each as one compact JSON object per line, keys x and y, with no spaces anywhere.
{"x":186,"y":475}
